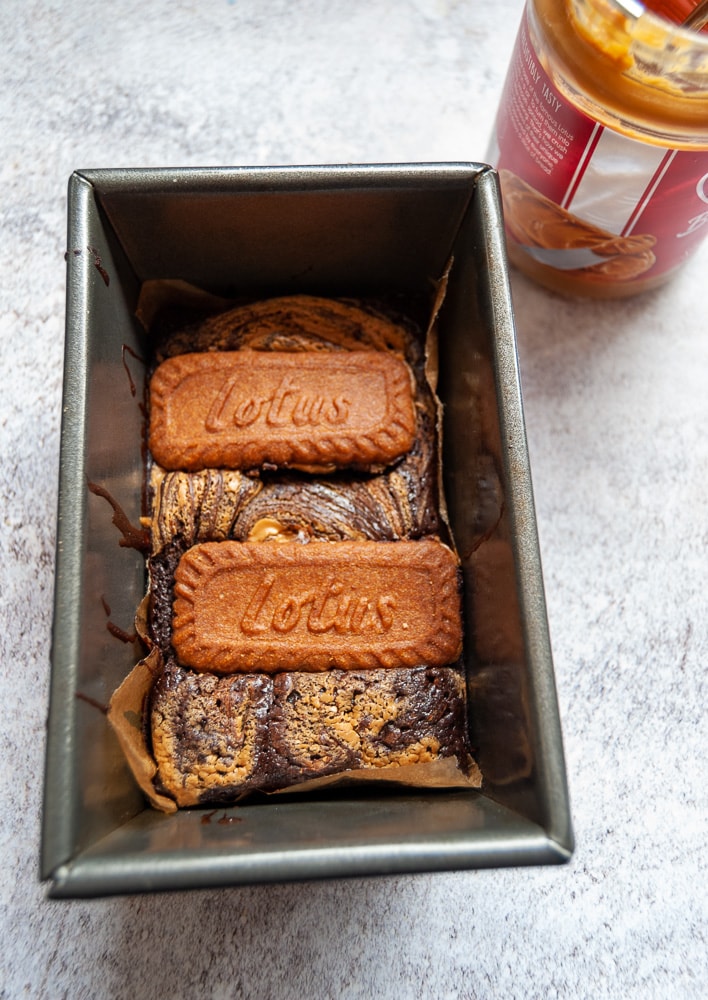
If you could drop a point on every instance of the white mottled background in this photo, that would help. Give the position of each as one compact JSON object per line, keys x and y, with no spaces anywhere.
{"x":616,"y":406}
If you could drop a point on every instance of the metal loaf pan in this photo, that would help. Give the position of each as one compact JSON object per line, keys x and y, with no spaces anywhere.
{"x":329,"y":230}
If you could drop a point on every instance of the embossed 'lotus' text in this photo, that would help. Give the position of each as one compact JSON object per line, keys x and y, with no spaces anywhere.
{"x":288,"y":406}
{"x":333,"y":607}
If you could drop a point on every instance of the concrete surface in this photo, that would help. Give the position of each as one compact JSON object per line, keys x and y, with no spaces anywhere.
{"x":616,"y":409}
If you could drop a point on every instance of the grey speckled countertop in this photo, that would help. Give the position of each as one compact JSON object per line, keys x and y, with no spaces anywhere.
{"x":616,"y":409}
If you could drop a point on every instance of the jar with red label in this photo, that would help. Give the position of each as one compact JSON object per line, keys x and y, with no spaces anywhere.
{"x":601,"y":143}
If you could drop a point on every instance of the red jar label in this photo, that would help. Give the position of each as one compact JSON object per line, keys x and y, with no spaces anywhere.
{"x":570,"y":184}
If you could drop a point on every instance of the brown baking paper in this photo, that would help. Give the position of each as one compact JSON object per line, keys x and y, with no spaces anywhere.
{"x":126,"y":714}
{"x":443,"y":773}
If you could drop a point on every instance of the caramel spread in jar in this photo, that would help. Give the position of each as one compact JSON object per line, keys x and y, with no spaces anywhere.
{"x":601,"y":143}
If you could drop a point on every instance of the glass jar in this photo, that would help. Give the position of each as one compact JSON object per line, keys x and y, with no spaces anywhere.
{"x":601,"y":142}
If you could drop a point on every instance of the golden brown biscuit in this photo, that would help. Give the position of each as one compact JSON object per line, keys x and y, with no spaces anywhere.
{"x":245,"y":409}
{"x":248,"y":606}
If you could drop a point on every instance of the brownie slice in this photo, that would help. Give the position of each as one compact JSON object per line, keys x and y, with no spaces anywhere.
{"x":217,"y":738}
{"x":217,"y":505}
{"x":297,"y":323}
{"x":209,"y":734}
{"x":323,"y":723}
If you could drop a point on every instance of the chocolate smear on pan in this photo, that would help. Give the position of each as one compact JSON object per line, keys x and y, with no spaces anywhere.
{"x":133,"y":538}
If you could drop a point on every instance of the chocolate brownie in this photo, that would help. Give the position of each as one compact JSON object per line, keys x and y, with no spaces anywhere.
{"x":215,"y":738}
